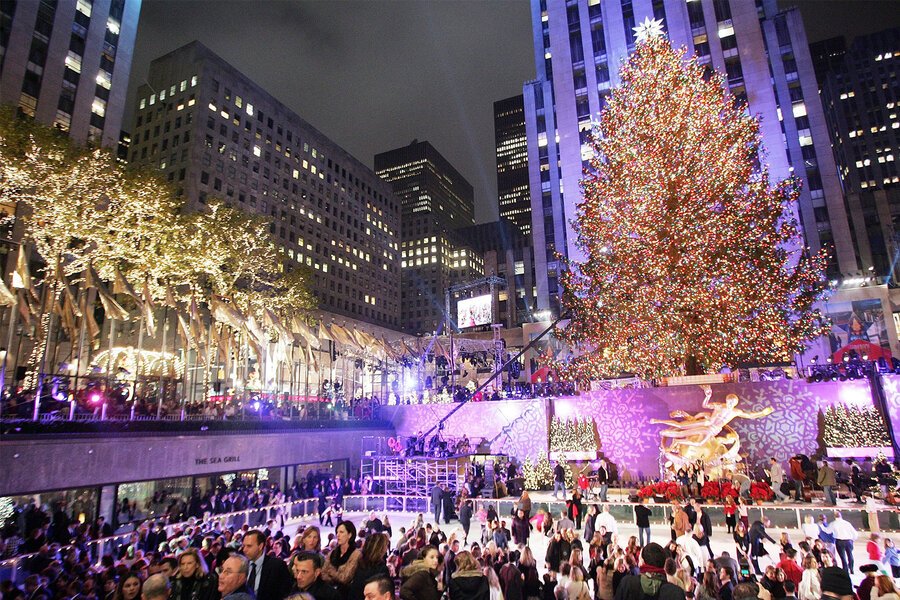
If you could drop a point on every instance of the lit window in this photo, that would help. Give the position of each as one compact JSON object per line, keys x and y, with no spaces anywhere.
{"x":113,"y":26}
{"x":103,"y":79}
{"x":143,"y":103}
{"x":799,"y":109}
{"x":84,"y":7}
{"x":256,"y":151}
{"x":212,"y":106}
{"x":724,"y":32}
{"x":224,"y":114}
{"x":162,"y":95}
{"x":238,"y":101}
{"x":73,"y":61}
{"x":183,"y":85}
{"x":193,"y":81}
{"x":805,"y":140}
{"x":98,"y":107}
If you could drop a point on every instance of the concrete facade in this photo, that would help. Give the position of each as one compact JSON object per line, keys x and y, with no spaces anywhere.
{"x":215,"y":133}
{"x":67,"y":64}
{"x":36,"y":465}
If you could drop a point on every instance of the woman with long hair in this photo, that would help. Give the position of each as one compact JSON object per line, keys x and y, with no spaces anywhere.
{"x":468,"y":581}
{"x":632,"y":549}
{"x":373,"y":562}
{"x":577,"y":588}
{"x":129,"y":588}
{"x":193,"y":581}
{"x":421,"y":578}
{"x":885,"y":589}
{"x":342,"y":562}
{"x":707,"y":588}
{"x":742,"y":541}
{"x":493,"y":584}
{"x":531,"y":588}
{"x":311,"y":540}
{"x":730,"y":510}
{"x":621,"y":570}
{"x":810,"y":587}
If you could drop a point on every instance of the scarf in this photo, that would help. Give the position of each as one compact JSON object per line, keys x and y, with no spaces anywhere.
{"x":651,"y":570}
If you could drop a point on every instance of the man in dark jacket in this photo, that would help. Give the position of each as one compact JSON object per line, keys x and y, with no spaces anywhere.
{"x":559,"y":479}
{"x":307,"y":570}
{"x":268,"y":576}
{"x":465,"y":519}
{"x":726,"y":586}
{"x":757,"y":535}
{"x":437,"y":502}
{"x":651,"y":583}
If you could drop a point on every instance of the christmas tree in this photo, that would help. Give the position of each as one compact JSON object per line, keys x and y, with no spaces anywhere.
{"x":692,"y":259}
{"x":538,"y":475}
{"x":575,"y":436}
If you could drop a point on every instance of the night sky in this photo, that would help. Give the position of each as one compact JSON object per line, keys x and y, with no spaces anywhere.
{"x":374,"y":75}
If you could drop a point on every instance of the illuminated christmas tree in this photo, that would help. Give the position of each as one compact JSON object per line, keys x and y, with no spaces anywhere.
{"x":692,"y":259}
{"x":572,"y":436}
{"x":538,"y":475}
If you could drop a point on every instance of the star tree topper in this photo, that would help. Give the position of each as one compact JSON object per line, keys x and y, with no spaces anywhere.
{"x":648,"y":29}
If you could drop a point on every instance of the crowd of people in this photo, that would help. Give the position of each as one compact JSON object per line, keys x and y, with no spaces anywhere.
{"x":576,"y":554}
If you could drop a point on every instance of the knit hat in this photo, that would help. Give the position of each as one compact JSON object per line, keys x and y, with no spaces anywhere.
{"x":837,"y":581}
{"x":870,"y":568}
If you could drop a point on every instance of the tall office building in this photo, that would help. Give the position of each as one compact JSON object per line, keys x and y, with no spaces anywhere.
{"x":436,"y":201}
{"x":861,"y":95}
{"x":216,"y":134}
{"x":513,"y":195}
{"x":66,"y":63}
{"x":579,"y":48}
{"x":508,"y":254}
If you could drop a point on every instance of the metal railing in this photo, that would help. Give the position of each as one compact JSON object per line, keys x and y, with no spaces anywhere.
{"x":781,"y":516}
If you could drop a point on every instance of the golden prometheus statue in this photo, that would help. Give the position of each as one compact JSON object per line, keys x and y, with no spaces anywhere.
{"x":705,"y":436}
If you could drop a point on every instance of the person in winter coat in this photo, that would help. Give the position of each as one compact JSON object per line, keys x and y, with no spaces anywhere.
{"x":420,"y":579}
{"x":521,"y":528}
{"x":193,"y":581}
{"x":465,"y":518}
{"x":468,"y":582}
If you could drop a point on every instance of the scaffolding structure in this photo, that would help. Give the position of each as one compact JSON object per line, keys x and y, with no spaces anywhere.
{"x":412,"y":475}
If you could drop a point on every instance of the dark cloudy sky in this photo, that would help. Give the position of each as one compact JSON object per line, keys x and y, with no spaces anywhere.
{"x":373,"y":75}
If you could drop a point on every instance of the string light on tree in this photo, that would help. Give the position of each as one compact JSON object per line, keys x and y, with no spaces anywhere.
{"x":855,"y":427}
{"x":694,"y":260}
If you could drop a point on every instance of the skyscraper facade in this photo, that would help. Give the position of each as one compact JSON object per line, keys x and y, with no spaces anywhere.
{"x":67,"y":62}
{"x":507,"y":254}
{"x":513,"y":196}
{"x":216,"y":134}
{"x":581,"y":45}
{"x":861,"y":95}
{"x":437,"y":201}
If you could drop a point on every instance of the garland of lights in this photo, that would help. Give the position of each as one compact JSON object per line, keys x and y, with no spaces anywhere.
{"x":694,"y":261}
